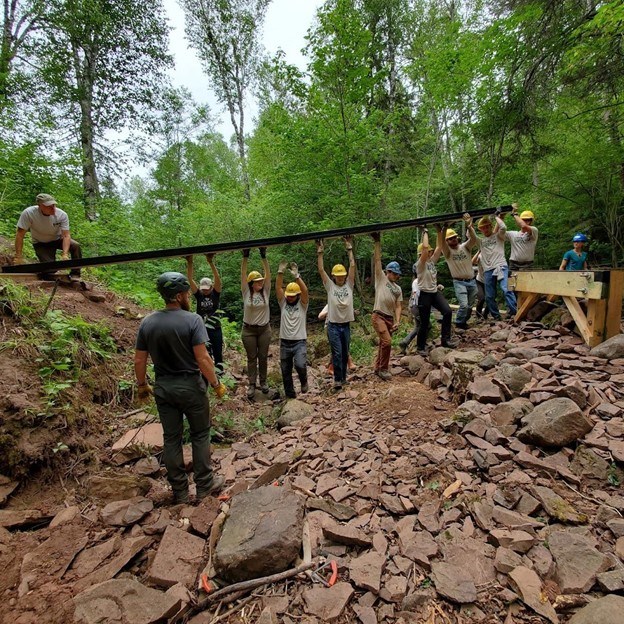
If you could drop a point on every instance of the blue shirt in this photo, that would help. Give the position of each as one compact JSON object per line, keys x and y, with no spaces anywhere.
{"x":574,"y":261}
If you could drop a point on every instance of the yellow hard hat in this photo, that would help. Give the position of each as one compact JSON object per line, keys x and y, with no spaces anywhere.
{"x":254,"y":276}
{"x":293,"y":289}
{"x":450,"y":233}
{"x":338,"y":270}
{"x":484,"y":221}
{"x":527,"y":214}
{"x":420,"y":248}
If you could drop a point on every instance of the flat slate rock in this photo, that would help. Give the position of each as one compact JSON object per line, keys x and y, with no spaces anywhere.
{"x":123,"y":601}
{"x":337,"y":510}
{"x":528,"y":586}
{"x":177,"y":560}
{"x":454,"y":583}
{"x":328,"y":603}
{"x":607,"y":610}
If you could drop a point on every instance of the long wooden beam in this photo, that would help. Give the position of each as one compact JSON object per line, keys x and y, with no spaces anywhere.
{"x":138,"y":256}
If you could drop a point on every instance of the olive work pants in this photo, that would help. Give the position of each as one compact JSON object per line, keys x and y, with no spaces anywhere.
{"x":256,"y":340}
{"x":178,"y":396}
{"x":46,"y":252}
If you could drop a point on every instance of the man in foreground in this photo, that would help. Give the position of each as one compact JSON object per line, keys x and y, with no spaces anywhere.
{"x":175,"y":339}
{"x":49,"y":229}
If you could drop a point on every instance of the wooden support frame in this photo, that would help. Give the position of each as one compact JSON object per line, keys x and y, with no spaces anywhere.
{"x":602,"y":290}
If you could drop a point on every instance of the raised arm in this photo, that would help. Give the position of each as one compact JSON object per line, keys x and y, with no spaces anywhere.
{"x":244,"y":271}
{"x":521,"y":223}
{"x":267,"y":270}
{"x":320,"y":249}
{"x":501,"y":229}
{"x":279,"y":280}
{"x":377,"y":255}
{"x":424,"y":254}
{"x":215,"y":273}
{"x":472,"y":235}
{"x":440,"y":236}
{"x":349,"y":247}
{"x":305,"y":296}
{"x":189,"y":273}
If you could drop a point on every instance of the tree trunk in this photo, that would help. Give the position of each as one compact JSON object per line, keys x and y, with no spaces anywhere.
{"x":84,"y":82}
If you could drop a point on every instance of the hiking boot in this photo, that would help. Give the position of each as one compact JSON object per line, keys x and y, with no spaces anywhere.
{"x":461,"y":325}
{"x":216,"y":485}
{"x":422,"y":352}
{"x":251,"y":392}
{"x":264,"y":388}
{"x":453,"y":343}
{"x":180,"y":498}
{"x":384,"y":374}
{"x":337,"y":386}
{"x":403,"y":349}
{"x":304,"y":387}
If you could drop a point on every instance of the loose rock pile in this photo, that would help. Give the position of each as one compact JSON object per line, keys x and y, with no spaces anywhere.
{"x":505,"y":508}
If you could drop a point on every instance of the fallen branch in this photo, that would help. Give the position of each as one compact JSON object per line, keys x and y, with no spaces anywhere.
{"x":252,"y":584}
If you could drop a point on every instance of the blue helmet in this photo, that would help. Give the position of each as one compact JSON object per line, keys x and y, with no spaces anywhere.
{"x":579,"y":238}
{"x":394,"y":267}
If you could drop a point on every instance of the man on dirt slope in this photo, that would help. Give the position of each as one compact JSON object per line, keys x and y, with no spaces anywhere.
{"x":49,"y":229}
{"x":175,"y":339}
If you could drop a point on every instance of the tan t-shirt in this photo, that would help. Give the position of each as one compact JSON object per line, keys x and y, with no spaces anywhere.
{"x":427,"y":278}
{"x":256,"y":307}
{"x":387,"y":294}
{"x":293,"y":325}
{"x":460,"y":262}
{"x":340,"y":302}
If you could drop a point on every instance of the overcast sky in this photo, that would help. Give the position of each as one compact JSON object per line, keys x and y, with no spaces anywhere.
{"x":285,"y":27}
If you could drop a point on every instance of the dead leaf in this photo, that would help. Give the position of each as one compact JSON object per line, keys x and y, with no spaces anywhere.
{"x":452,"y":489}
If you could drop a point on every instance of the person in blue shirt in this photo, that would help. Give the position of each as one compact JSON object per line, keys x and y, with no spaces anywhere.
{"x":575,"y":259}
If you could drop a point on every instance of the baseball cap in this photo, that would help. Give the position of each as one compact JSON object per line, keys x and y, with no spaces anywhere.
{"x":45,"y":199}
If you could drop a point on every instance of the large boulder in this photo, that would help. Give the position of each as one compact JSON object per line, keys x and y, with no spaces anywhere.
{"x":261,"y":535}
{"x":555,"y":423}
{"x":293,"y":411}
{"x":610,"y":349}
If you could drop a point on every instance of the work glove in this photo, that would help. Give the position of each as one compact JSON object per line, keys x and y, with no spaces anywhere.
{"x":144,"y":393}
{"x":19,"y":260}
{"x":64,"y":256}
{"x":498,"y":212}
{"x":514,"y":209}
{"x":320,"y":247}
{"x":282,"y":266}
{"x":220,"y":390}
{"x":467,"y":219}
{"x":440,"y":287}
{"x":262,"y":251}
{"x":376,"y":236}
{"x":348,"y":242}
{"x":294,"y":269}
{"x":246,"y":253}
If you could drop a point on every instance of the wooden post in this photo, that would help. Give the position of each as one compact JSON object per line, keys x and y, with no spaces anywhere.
{"x":614,"y":304}
{"x":525,"y":302}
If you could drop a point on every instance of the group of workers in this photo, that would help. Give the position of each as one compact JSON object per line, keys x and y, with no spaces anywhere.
{"x":187,"y":349}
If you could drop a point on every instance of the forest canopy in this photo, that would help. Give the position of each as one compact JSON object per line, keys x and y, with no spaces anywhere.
{"x":407,"y":108}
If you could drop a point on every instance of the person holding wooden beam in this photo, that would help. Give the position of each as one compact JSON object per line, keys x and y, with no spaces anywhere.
{"x":293,"y":301}
{"x":523,"y":242}
{"x":495,"y":269}
{"x":340,"y":315}
{"x":459,"y":259}
{"x":386,"y":309}
{"x":256,"y":334}
{"x":430,"y":295}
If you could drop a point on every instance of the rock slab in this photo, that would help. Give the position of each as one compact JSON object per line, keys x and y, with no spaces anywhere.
{"x":453,"y":583}
{"x":123,"y":601}
{"x":177,"y":560}
{"x":607,"y":610}
{"x":261,"y":535}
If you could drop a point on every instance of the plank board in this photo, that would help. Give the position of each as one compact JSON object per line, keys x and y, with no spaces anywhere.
{"x":561,"y":283}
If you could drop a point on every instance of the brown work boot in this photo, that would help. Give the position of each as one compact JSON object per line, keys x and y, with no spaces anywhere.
{"x":216,"y":485}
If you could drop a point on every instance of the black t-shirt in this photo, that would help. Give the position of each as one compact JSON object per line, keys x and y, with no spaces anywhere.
{"x":169,"y":337}
{"x":207,"y":305}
